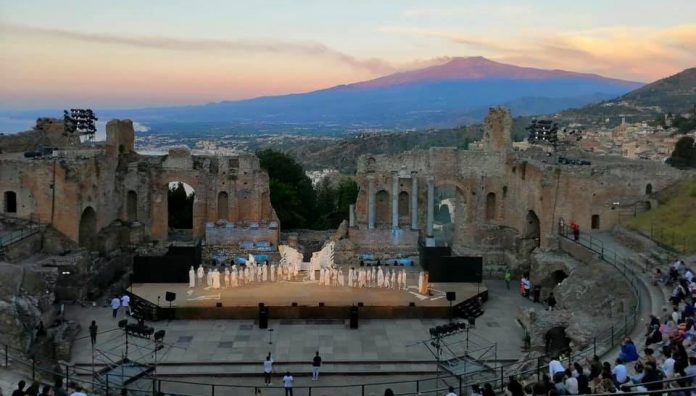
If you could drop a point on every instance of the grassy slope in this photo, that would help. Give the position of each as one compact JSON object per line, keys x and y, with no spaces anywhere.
{"x":674,"y":221}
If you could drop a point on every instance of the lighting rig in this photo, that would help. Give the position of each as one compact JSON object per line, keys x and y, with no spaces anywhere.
{"x":80,"y":121}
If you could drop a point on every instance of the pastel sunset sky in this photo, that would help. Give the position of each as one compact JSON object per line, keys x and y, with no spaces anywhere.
{"x":147,"y":53}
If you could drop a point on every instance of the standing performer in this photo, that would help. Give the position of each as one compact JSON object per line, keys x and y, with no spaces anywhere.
{"x":192,"y":278}
{"x":341,"y":278}
{"x":374,"y":277}
{"x":265,"y":272}
{"x":350,"y":277}
{"x":380,"y":277}
{"x":199,"y":275}
{"x":392,"y":281}
{"x":228,"y":280}
{"x":387,"y":281}
{"x":216,"y":279}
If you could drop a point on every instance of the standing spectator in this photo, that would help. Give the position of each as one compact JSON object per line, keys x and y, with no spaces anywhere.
{"x":20,"y":389}
{"x":125,"y":303}
{"x":93,"y":332}
{"x":316,"y":364}
{"x":475,"y":390}
{"x":46,"y":391}
{"x":575,"y":228}
{"x":451,"y":392}
{"x":508,"y":278}
{"x":555,"y":367}
{"x":115,"y":305}
{"x":287,"y":383}
{"x":40,"y":329}
{"x":267,"y":369}
{"x":583,"y":381}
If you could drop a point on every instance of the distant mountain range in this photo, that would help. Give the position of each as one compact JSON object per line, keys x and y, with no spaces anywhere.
{"x":675,"y":94}
{"x":442,"y":96}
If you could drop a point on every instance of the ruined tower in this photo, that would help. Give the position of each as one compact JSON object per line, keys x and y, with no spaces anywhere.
{"x":497,"y":130}
{"x":120,"y":137}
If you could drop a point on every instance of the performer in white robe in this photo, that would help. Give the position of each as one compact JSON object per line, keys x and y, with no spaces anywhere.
{"x":265,"y":273}
{"x":321,"y":276}
{"x":404,"y":284}
{"x":271,"y":268}
{"x":208,"y":280}
{"x":327,"y":280}
{"x":216,"y":279}
{"x":199,"y":274}
{"x":420,"y":281}
{"x":380,"y":277}
{"x":350,"y":277}
{"x":192,"y":278}
{"x":247,"y":275}
{"x":355,"y":277}
{"x":362,"y":277}
{"x":341,"y":278}
{"x":374,"y":277}
{"x":228,"y":279}
{"x":233,"y":277}
{"x":311,"y":273}
{"x":368,"y":277}
{"x":387,"y":280}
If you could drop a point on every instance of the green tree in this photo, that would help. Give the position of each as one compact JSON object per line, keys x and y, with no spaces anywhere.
{"x":292,"y":194}
{"x":180,"y":207}
{"x":684,"y":154}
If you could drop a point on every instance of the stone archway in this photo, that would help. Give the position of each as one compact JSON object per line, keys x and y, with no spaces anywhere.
{"x":404,"y":206}
{"x":132,"y":206}
{"x":491,"y":207}
{"x":223,"y":206}
{"x":532,"y":229}
{"x":382,"y":208}
{"x":87,"y":236}
{"x":181,"y":197}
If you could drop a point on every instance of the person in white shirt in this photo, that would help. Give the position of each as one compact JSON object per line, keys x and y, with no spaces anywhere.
{"x":668,"y":366}
{"x":555,"y":366}
{"x":267,"y":369}
{"x":287,"y":383}
{"x":115,"y":305}
{"x":619,"y":373}
{"x":125,"y":303}
{"x":78,"y":391}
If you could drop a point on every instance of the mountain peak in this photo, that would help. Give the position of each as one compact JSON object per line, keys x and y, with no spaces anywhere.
{"x":471,"y":68}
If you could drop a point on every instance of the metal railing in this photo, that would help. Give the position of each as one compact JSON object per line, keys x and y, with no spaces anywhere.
{"x":496,"y":376}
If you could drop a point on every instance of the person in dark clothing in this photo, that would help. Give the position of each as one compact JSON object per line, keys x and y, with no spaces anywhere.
{"x":40,"y":329}
{"x":93,"y":332}
{"x":595,"y":367}
{"x":46,"y":391}
{"x":33,"y":390}
{"x":548,"y":385}
{"x":514,"y":387}
{"x":58,"y":389}
{"x":651,"y":375}
{"x":20,"y":389}
{"x":551,"y":301}
{"x":488,"y":390}
{"x":654,"y":336}
{"x":583,"y":381}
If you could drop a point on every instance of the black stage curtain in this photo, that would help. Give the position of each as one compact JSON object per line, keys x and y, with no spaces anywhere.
{"x":173,"y":267}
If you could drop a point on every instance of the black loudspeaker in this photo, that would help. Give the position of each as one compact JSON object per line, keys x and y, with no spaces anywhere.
{"x":451,"y":296}
{"x":218,"y":305}
{"x":170,"y":296}
{"x":353,"y":317}
{"x":263,"y":318}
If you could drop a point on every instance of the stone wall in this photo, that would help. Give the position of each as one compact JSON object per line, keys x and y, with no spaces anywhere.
{"x":48,"y":132}
{"x":81,"y":195}
{"x":512,"y":202}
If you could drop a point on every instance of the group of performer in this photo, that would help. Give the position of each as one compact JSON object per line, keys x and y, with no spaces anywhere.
{"x":236,"y":276}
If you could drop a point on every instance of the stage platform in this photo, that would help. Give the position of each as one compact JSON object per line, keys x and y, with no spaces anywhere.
{"x":242,"y":302}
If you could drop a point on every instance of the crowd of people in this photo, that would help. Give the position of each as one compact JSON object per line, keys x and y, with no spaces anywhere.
{"x":57,"y":389}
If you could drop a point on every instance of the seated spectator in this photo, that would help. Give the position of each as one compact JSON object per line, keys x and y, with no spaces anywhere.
{"x":628,"y":352}
{"x":668,"y":366}
{"x":638,"y":376}
{"x":654,"y":336}
{"x":619,"y":373}
{"x":652,"y":374}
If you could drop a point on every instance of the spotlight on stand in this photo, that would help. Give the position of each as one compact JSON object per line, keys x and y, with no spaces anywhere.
{"x":122,"y":323}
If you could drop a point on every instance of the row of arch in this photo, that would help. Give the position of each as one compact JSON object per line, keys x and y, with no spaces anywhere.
{"x":132,"y":205}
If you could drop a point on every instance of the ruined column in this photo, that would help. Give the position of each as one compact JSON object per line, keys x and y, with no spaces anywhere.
{"x":351,"y":215}
{"x":370,"y":201}
{"x":395,"y":200}
{"x":431,"y":207}
{"x":414,"y":200}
